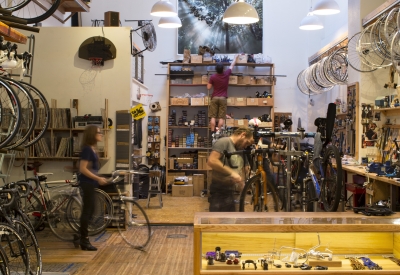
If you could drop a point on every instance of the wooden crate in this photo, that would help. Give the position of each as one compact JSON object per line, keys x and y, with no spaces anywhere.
{"x":179,"y":101}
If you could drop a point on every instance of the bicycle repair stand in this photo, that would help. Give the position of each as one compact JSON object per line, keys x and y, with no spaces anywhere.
{"x":154,"y":186}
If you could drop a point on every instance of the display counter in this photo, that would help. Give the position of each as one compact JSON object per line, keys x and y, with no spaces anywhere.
{"x":296,"y":238}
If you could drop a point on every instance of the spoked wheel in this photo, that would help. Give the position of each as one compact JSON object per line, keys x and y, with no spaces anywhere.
{"x":10,"y":114}
{"x":33,"y":208}
{"x":354,"y":58}
{"x":15,"y":249}
{"x":43,"y":111}
{"x":251,"y":198}
{"x":102,"y":213}
{"x":13,"y":5}
{"x":36,"y":10}
{"x":311,"y":195}
{"x":136,"y":231}
{"x":58,"y":219}
{"x":29,"y":114}
{"x":35,"y":257}
{"x":331,"y":187}
{"x":280,"y":183}
{"x":4,"y":270}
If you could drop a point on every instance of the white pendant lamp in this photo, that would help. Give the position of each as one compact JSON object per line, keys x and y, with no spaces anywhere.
{"x":326,"y":7}
{"x":163,"y":8}
{"x":170,"y":22}
{"x":240,"y":13}
{"x":311,"y":22}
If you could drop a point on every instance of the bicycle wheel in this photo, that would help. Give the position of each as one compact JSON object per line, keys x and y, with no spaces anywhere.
{"x":310,"y":197}
{"x":4,"y":270}
{"x":37,"y":11}
{"x":34,"y":210}
{"x":10,"y":113}
{"x":15,"y":250}
{"x":136,"y":231}
{"x":331,"y":187}
{"x":29,"y":114}
{"x":43,"y":111}
{"x":251,"y":197}
{"x":57,"y":217}
{"x":13,"y":5}
{"x":281,"y":185}
{"x":102,"y":214}
{"x":35,"y":257}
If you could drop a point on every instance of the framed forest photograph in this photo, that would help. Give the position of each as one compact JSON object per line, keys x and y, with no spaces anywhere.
{"x":202,"y":25}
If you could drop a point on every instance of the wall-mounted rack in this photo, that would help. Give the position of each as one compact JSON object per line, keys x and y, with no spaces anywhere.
{"x":329,"y":49}
{"x":372,"y":16}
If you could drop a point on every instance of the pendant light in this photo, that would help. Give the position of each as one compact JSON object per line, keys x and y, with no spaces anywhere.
{"x":240,"y":13}
{"x":163,"y":8}
{"x":170,"y":22}
{"x":326,"y":7}
{"x":311,"y":22}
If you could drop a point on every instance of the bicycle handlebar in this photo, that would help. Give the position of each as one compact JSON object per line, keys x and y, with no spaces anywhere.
{"x":11,"y":192}
{"x":24,"y":188}
{"x":248,"y":152}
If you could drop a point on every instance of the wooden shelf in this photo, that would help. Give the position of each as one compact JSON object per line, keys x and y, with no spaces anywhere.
{"x":189,"y":169}
{"x":233,"y":85}
{"x":225,"y":64}
{"x":187,"y":127}
{"x":191,"y":148}
{"x":56,"y":158}
{"x":12,"y":35}
{"x":73,"y":6}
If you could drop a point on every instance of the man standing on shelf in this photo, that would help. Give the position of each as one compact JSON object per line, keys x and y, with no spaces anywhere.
{"x":219,"y":82}
{"x":226,"y":180}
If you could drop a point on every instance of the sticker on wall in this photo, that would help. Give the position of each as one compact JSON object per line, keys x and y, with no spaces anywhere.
{"x":138,"y":112}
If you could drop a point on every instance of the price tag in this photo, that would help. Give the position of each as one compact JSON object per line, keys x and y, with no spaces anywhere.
{"x":138,"y":112}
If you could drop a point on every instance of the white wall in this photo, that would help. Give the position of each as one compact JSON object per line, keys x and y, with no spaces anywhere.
{"x":60,"y":74}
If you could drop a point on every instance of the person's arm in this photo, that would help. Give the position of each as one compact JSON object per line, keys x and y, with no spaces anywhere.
{"x":216,"y":164}
{"x":209,"y":86}
{"x":233,"y":62}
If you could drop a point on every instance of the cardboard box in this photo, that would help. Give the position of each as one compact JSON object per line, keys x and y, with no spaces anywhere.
{"x":196,"y":80}
{"x":182,"y":190}
{"x":240,"y":101}
{"x":172,"y":175}
{"x":200,"y":162}
{"x":204,"y":79}
{"x":244,"y":80}
{"x":253,"y":81}
{"x":207,"y":100}
{"x":233,"y":79}
{"x":252,"y":101}
{"x":265,"y":101}
{"x":261,"y":81}
{"x":179,"y":101}
{"x":230,"y":122}
{"x":196,"y":59}
{"x":184,"y":160}
{"x":241,"y":123}
{"x":171,"y":163}
{"x":196,"y":101}
{"x":241,"y":59}
{"x":198,"y":184}
{"x":265,"y":124}
{"x":207,"y":59}
{"x":230,"y":101}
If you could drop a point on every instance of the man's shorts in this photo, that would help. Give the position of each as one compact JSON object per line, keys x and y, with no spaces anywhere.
{"x":218,"y":107}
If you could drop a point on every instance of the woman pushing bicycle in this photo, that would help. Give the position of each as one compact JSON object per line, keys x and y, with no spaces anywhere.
{"x":226,"y":180}
{"x":89,"y":180}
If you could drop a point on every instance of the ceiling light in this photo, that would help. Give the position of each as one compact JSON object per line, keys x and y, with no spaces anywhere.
{"x":163,"y":8}
{"x":311,"y":22}
{"x":326,"y":7}
{"x":170,"y":22}
{"x":240,"y":13}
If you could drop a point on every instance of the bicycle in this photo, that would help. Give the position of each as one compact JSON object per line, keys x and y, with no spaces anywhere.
{"x":136,"y":229}
{"x":63,"y":210}
{"x":254,"y":196}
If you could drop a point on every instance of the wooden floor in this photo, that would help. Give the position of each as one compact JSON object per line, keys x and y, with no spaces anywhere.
{"x":170,"y":251}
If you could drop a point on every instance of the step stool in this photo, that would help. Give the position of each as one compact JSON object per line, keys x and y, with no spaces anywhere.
{"x":155,"y":186}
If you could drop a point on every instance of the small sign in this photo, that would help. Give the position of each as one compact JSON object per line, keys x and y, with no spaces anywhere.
{"x":138,"y":112}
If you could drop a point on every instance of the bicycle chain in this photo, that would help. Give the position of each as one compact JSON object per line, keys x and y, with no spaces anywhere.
{"x":356,"y":264}
{"x":370,"y":264}
{"x":394,"y":259}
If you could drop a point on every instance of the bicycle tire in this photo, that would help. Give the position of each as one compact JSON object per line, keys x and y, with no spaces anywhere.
{"x":137,"y":230}
{"x":15,"y":5}
{"x":15,"y":250}
{"x":249,"y":203}
{"x":281,"y":187}
{"x":4,"y":270}
{"x":10,"y":113}
{"x":29,"y":238}
{"x":331,"y":187}
{"x":34,"y":210}
{"x":37,"y":17}
{"x":43,"y":110}
{"x":29,"y":114}
{"x":102,"y":214}
{"x":311,"y":195}
{"x":57,"y":217}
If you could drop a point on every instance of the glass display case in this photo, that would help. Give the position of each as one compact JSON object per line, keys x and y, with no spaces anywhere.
{"x":287,"y":243}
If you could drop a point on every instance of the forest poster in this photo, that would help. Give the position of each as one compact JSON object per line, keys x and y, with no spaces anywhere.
{"x":202,"y":25}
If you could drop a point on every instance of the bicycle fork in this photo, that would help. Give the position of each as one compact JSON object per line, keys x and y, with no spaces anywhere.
{"x":310,"y":177}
